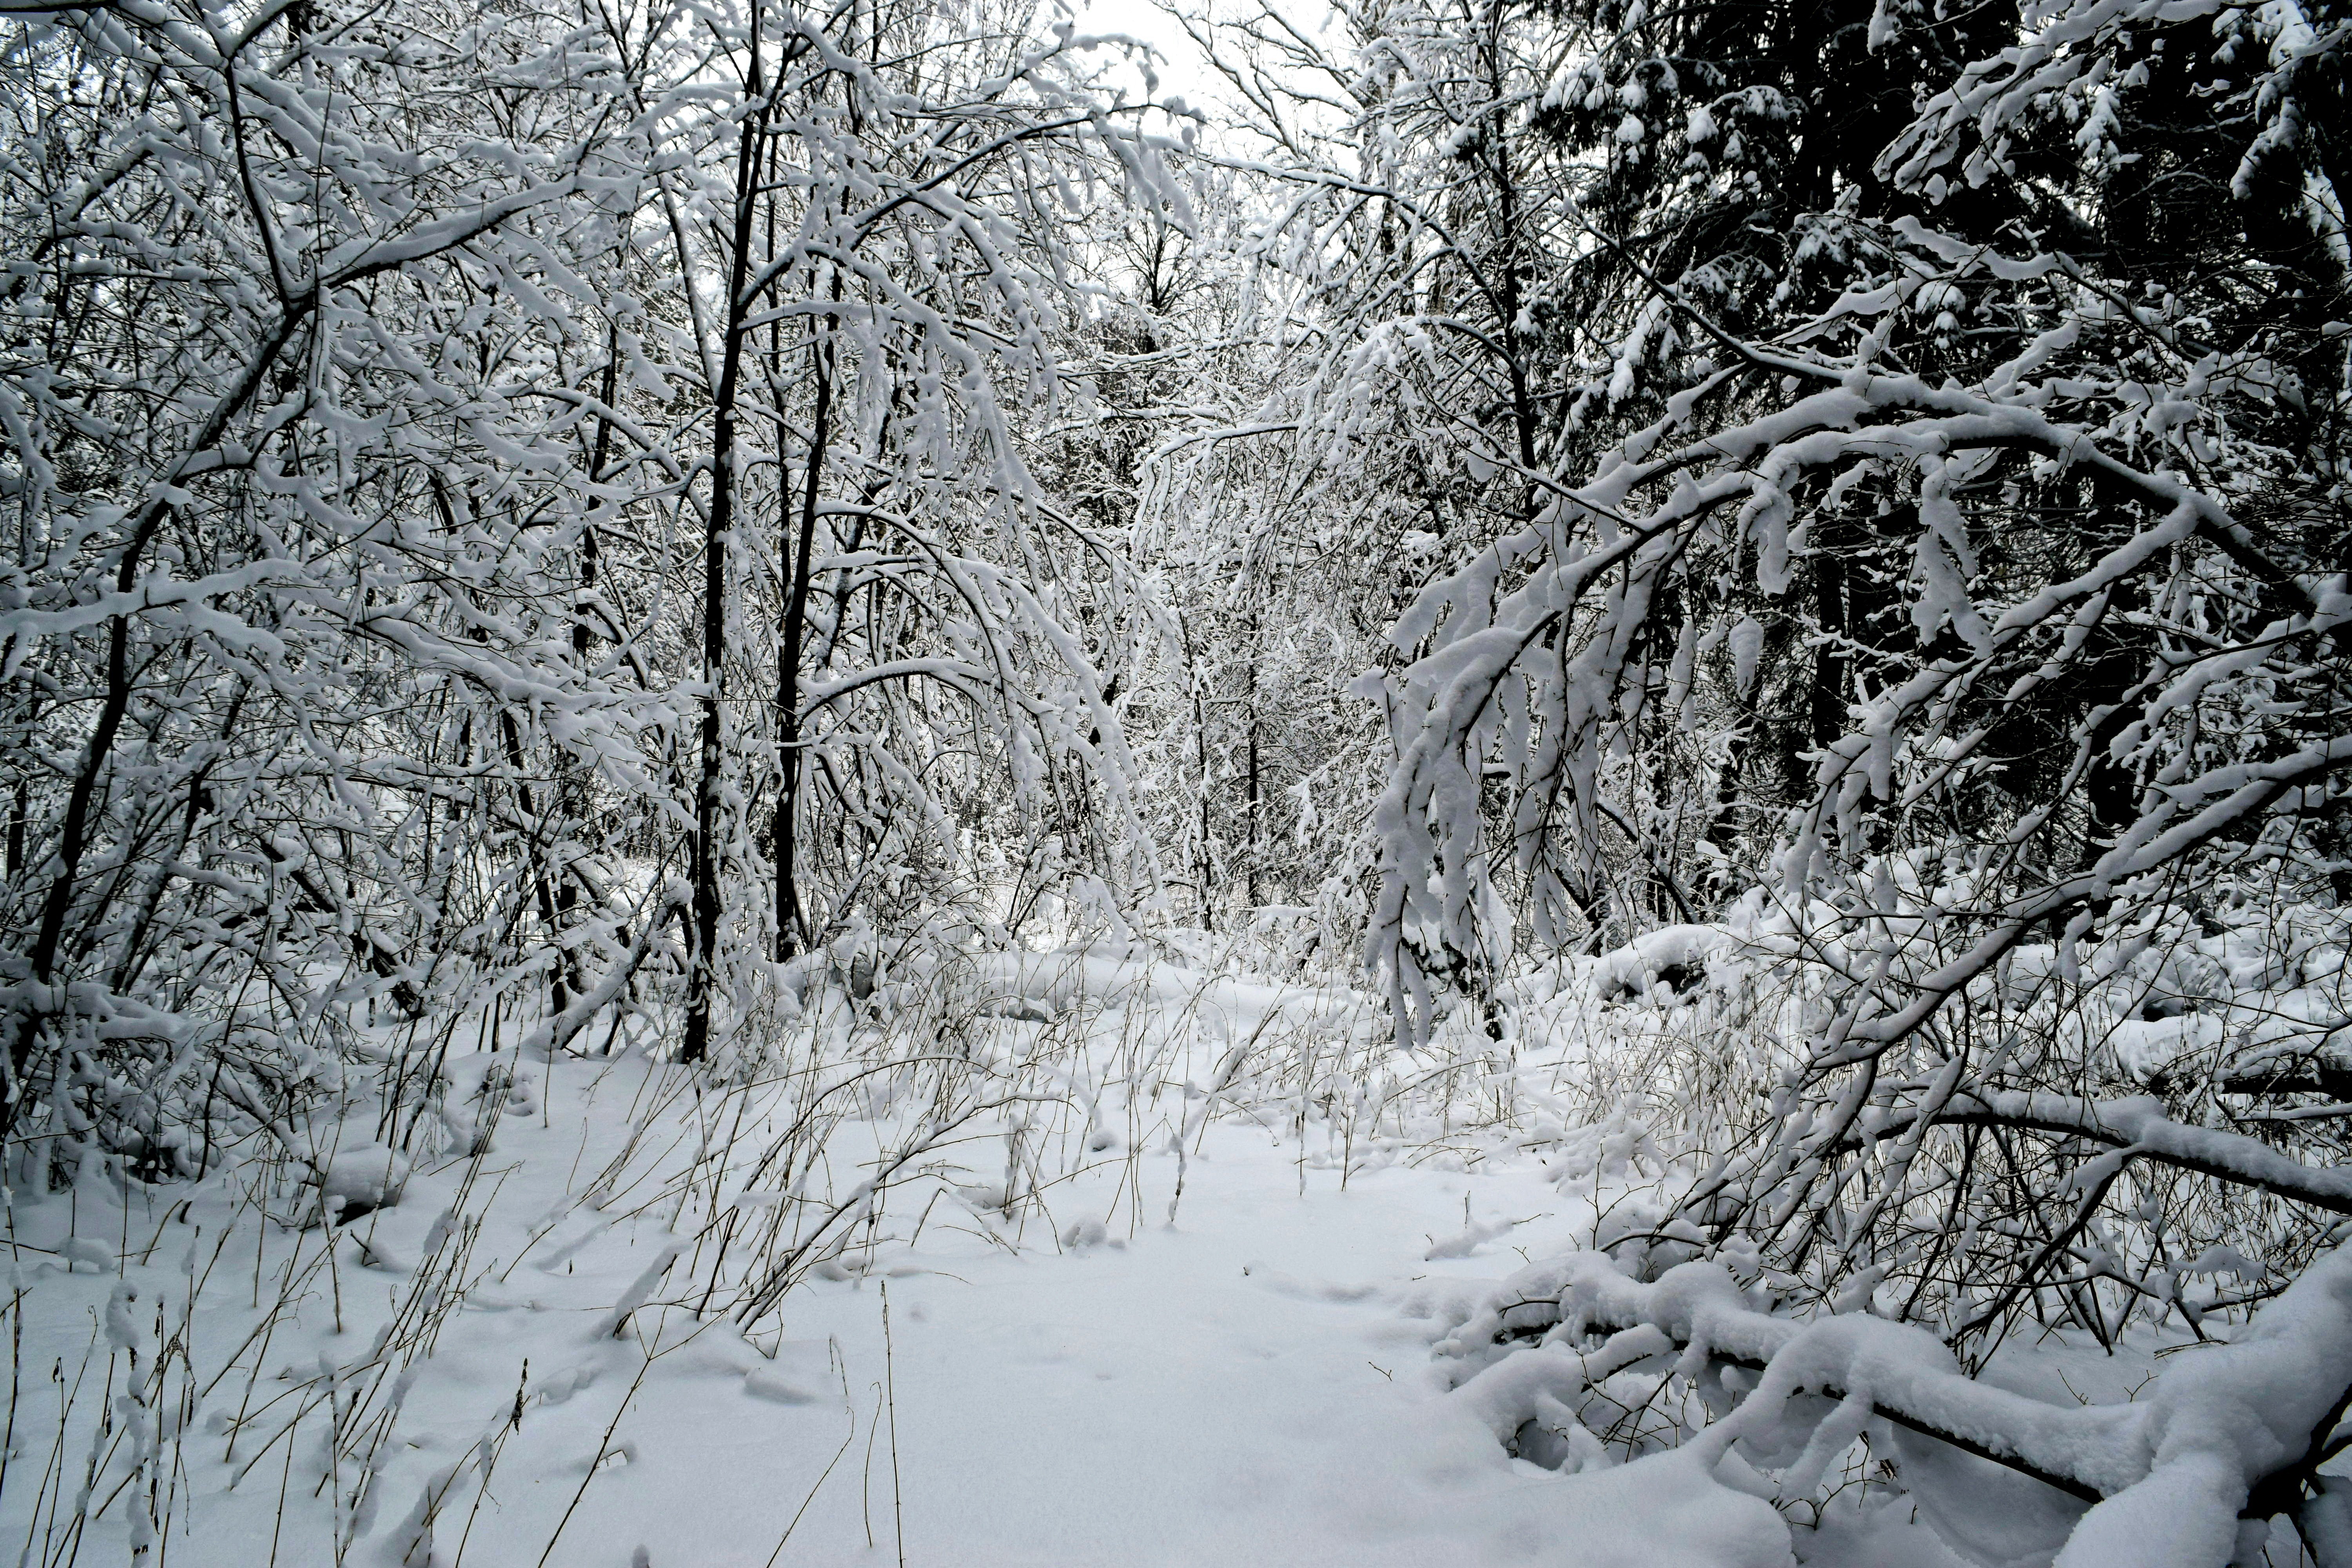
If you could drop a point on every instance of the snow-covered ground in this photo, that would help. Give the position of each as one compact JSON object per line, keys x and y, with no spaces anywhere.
{"x":1082,"y":1382}
{"x":1087,"y":1258}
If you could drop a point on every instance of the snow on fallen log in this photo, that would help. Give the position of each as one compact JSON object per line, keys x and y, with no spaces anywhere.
{"x":2168,"y":1473}
{"x":1904,"y":1372}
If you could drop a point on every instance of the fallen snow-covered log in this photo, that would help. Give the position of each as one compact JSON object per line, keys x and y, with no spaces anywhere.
{"x":2229,"y":1429}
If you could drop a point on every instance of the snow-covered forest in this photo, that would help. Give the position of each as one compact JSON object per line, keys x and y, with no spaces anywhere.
{"x":1290,"y":782}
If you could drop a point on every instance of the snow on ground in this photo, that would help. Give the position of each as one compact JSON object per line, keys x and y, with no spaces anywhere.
{"x":512,"y":1360}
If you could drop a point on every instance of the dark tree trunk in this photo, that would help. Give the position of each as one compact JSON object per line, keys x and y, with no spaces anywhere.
{"x":792,"y":918}
{"x":703,"y":978}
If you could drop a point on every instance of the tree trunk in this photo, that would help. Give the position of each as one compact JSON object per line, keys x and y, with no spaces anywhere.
{"x":792,"y":918}
{"x":718,"y":538}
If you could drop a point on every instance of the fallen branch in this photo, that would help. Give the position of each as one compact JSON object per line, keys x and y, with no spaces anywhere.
{"x":2233,"y":1428}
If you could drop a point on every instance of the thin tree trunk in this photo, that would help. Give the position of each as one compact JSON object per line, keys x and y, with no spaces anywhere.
{"x":73,"y":836}
{"x":791,"y":918}
{"x":1255,"y":797}
{"x":1204,"y":865}
{"x":23,"y":805}
{"x":569,"y":976}
{"x":702,"y":977}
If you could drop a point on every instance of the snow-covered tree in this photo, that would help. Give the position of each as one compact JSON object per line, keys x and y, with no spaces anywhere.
{"x":1809,"y":541}
{"x":489,"y":487}
{"x":285,"y":676}
{"x":1916,"y":547}
{"x":874,"y":226}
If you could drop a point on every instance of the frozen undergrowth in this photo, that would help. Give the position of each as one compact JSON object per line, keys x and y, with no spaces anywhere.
{"x":335,"y":1300}
{"x":1188,"y":1265}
